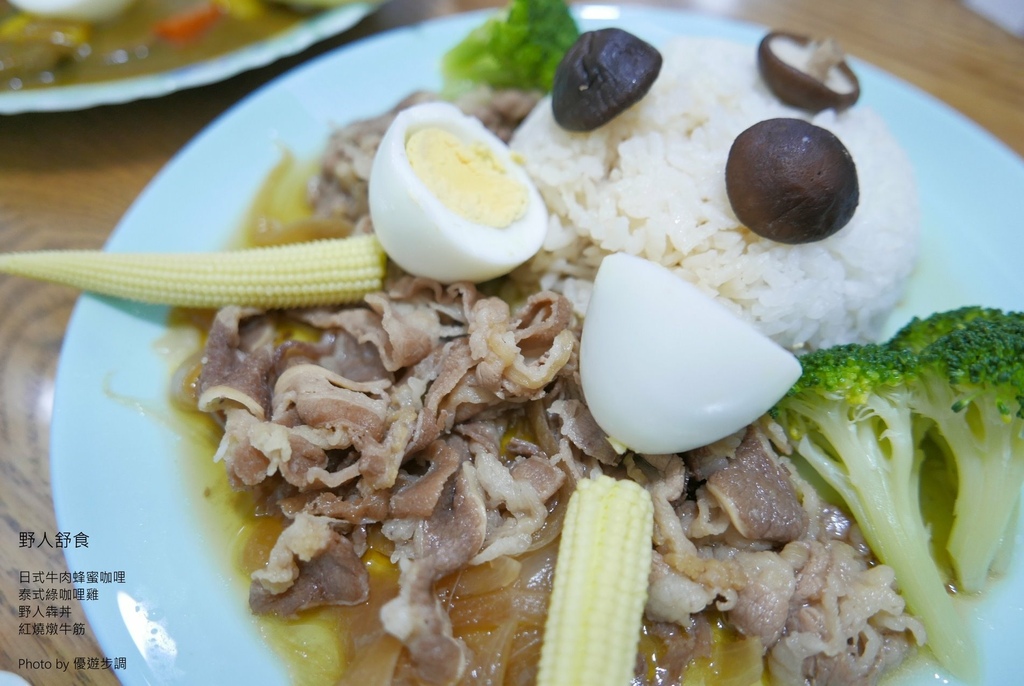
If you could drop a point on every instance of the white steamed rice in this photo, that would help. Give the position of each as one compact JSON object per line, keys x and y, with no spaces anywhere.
{"x":652,"y":183}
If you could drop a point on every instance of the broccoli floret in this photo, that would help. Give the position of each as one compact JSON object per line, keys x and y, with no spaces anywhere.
{"x":862,"y":417}
{"x":520,"y":47}
{"x":971,"y":388}
{"x":918,"y":333}
{"x":850,"y":418}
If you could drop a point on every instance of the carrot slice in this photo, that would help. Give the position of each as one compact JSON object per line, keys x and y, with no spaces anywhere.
{"x":189,"y":24}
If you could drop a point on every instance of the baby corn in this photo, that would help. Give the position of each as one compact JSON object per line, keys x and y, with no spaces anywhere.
{"x":325,"y":272}
{"x":600,"y":586}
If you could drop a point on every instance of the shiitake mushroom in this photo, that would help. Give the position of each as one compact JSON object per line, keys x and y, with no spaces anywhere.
{"x":824,"y":81}
{"x":604,"y":73}
{"x":791,"y":181}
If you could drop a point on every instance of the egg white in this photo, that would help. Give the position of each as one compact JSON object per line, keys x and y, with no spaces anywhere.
{"x":77,"y":10}
{"x":665,"y":368}
{"x":425,"y":237}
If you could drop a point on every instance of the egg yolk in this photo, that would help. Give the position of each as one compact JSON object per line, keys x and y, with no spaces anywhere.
{"x":467,"y":179}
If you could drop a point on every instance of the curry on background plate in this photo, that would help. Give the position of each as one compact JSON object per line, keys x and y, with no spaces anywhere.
{"x":45,"y":43}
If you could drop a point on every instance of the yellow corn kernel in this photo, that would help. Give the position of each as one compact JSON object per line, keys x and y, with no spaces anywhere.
{"x":600,"y":586}
{"x":327,"y":272}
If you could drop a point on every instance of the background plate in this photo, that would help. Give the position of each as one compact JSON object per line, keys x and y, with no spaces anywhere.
{"x":290,"y":42}
{"x":181,"y":616}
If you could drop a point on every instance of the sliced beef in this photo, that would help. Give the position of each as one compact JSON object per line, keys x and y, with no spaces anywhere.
{"x":542,"y":476}
{"x":245,"y":464}
{"x":539,"y":321}
{"x":358,"y":509}
{"x":402,"y":333}
{"x":847,"y":624}
{"x":341,"y":190}
{"x":672,"y":596}
{"x":419,"y":498}
{"x":756,"y":492}
{"x":580,"y":427}
{"x":352,"y":359}
{"x":335,"y":576}
{"x":304,"y":457}
{"x":762,"y":605}
{"x":501,"y":111}
{"x":677,"y":648}
{"x":505,"y":368}
{"x":516,"y":508}
{"x":520,"y":447}
{"x":324,"y":400}
{"x":444,"y":543}
{"x":235,"y":371}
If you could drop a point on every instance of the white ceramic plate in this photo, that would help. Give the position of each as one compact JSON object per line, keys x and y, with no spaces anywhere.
{"x":181,"y":616}
{"x":290,"y":42}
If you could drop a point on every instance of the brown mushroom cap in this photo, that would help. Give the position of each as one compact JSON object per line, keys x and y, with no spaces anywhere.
{"x":800,"y":88}
{"x":603,"y":74}
{"x":791,"y":181}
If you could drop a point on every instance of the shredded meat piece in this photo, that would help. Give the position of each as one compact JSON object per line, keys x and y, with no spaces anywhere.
{"x":762,"y":606}
{"x":352,"y":359}
{"x":672,"y":596}
{"x":419,"y":498}
{"x":820,"y":606}
{"x":543,"y":477}
{"x":847,"y":623}
{"x":323,"y":400}
{"x":342,"y":188}
{"x":579,"y":426}
{"x":303,"y":458}
{"x":444,"y":543}
{"x":755,"y":491}
{"x":677,"y":649}
{"x":303,"y":539}
{"x":494,"y":340}
{"x":500,"y":111}
{"x":234,"y":370}
{"x":246,"y":466}
{"x":402,"y":333}
{"x":397,"y":416}
{"x":334,"y":576}
{"x":361,"y":508}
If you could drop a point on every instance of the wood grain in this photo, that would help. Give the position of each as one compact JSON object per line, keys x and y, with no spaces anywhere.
{"x":66,"y":179}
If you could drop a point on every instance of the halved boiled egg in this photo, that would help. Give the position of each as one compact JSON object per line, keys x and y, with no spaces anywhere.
{"x":665,"y":368}
{"x":78,"y":10}
{"x":448,"y":199}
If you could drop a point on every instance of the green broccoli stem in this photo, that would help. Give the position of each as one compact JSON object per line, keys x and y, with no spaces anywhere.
{"x":987,"y":450}
{"x":990,"y":473}
{"x":1004,"y":556}
{"x":878,"y":477}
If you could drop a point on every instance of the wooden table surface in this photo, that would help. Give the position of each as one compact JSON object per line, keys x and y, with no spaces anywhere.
{"x":66,"y":179}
